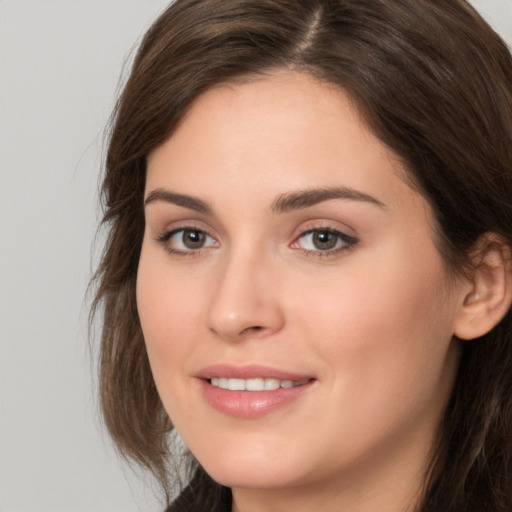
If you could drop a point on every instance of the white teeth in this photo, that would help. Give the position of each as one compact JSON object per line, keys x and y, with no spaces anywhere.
{"x":256,"y":384}
{"x":236,"y":384}
{"x":271,"y":384}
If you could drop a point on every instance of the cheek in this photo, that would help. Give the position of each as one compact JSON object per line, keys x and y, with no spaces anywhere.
{"x":169,"y":316}
{"x":385,"y":328}
{"x":387,"y":348}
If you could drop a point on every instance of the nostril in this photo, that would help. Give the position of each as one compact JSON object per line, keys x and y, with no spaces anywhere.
{"x":254,"y":328}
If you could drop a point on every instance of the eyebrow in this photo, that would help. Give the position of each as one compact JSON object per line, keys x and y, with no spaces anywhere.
{"x":284,"y":203}
{"x":310,"y":197}
{"x":190,"y":202}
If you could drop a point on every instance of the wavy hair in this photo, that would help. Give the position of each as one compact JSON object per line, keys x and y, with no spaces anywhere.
{"x":434,"y":82}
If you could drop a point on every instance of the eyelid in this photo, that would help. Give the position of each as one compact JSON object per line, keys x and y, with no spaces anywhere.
{"x":320,"y":222}
{"x":349,"y":241}
{"x":164,"y":237}
{"x":163,"y":226}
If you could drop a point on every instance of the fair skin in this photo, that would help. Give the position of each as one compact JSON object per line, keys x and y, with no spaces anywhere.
{"x":345,"y":290}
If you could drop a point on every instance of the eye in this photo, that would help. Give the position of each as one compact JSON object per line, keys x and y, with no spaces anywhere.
{"x":324,"y":241}
{"x":186,"y":240}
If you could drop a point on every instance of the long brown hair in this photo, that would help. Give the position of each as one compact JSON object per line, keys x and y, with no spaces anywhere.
{"x":434,"y":83}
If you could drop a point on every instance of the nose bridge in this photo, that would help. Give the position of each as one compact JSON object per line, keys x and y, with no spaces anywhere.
{"x":244,"y":301}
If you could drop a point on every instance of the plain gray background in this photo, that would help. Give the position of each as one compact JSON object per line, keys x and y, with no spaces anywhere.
{"x":60,"y":61}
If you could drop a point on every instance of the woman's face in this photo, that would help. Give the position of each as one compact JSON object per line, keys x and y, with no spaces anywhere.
{"x":286,"y":259}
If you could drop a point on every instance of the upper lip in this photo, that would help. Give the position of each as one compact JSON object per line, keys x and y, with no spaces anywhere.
{"x":252,"y":371}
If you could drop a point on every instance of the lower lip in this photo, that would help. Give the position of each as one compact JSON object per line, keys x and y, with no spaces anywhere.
{"x":250,"y":404}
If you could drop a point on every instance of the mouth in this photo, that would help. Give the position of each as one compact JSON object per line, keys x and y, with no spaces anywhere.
{"x":255,"y":384}
{"x":252,"y":391}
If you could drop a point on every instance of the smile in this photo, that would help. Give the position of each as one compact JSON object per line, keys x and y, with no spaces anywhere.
{"x":255,"y":384}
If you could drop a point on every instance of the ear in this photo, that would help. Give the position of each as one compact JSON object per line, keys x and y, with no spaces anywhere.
{"x":488,"y":296}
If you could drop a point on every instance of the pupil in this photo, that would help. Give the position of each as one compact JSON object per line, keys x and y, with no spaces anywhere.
{"x":324,"y":240}
{"x":193,"y":239}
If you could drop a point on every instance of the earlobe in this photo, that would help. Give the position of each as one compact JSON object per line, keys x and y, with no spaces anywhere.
{"x":490,"y":294}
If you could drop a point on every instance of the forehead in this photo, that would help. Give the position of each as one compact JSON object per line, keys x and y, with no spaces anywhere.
{"x":263,"y":123}
{"x":245,"y":144}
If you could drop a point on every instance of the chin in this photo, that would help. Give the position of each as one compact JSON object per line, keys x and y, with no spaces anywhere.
{"x":252,"y":477}
{"x":249,"y":471}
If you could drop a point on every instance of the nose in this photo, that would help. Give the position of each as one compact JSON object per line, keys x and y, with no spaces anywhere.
{"x":245,"y":301}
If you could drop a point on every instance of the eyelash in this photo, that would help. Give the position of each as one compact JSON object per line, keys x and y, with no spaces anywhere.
{"x":165,"y":237}
{"x":348,"y":242}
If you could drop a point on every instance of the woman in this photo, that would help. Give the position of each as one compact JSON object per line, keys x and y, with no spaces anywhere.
{"x":308,"y":268}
